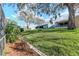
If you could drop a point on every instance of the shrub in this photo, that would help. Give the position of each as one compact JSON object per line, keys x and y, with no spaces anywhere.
{"x":12,"y":31}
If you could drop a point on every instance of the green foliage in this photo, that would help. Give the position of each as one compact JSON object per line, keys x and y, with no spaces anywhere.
{"x":57,"y":42}
{"x":12,"y":31}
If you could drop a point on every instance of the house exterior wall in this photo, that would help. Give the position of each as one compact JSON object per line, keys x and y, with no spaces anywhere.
{"x":2,"y":21}
{"x":2,"y":28}
{"x":45,"y":26}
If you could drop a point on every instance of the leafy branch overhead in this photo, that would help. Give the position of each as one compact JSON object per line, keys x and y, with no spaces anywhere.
{"x":30,"y":10}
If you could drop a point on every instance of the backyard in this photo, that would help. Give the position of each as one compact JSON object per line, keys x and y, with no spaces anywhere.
{"x":57,"y":42}
{"x":39,"y":29}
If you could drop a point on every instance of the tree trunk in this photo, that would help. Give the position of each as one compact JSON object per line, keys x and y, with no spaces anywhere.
{"x":27,"y":24}
{"x":71,"y":20}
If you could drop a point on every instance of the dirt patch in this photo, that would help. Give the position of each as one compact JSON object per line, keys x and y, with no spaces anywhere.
{"x":19,"y":49}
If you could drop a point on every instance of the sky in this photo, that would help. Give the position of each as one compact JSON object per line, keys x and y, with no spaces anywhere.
{"x":9,"y":12}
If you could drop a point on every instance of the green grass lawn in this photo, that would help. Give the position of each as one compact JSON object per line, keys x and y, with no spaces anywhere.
{"x":55,"y":42}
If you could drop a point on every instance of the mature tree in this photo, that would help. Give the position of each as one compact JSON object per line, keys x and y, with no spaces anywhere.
{"x":25,"y":11}
{"x":29,"y":15}
{"x":71,"y":19}
{"x":56,"y":9}
{"x":71,"y":9}
{"x":53,"y":9}
{"x":27,"y":18}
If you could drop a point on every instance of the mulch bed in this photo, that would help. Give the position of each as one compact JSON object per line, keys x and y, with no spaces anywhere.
{"x":19,"y":48}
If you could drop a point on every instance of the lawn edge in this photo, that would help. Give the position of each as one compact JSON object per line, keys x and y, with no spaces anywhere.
{"x":32,"y":47}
